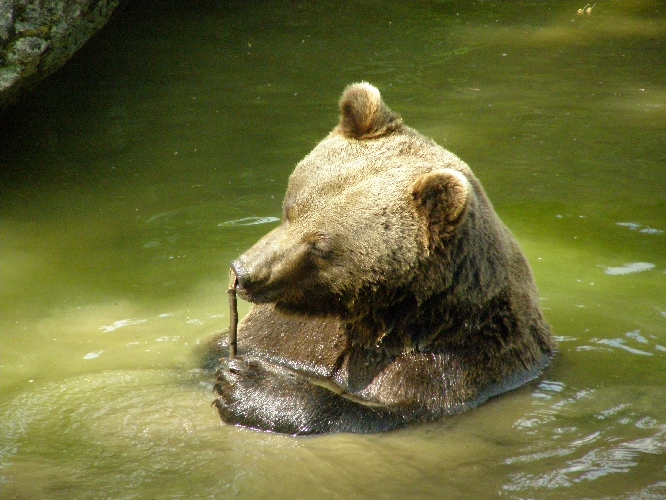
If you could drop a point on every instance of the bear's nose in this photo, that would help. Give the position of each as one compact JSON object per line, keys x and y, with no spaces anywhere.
{"x":246,"y":280}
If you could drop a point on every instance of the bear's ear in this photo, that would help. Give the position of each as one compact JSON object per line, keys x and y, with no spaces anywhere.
{"x":364,"y":115}
{"x":441,"y":198}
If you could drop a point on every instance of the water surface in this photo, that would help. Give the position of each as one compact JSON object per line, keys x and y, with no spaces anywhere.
{"x":131,"y":178}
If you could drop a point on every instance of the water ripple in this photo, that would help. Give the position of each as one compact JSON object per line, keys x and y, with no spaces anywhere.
{"x":623,"y":343}
{"x":634,"y":226}
{"x":249,"y":221}
{"x":584,"y":452}
{"x":633,"y":267}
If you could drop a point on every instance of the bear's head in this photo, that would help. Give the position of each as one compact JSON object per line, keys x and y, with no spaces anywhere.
{"x":373,"y":217}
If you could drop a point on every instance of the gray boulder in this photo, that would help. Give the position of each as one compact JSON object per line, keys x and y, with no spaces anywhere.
{"x":38,"y":36}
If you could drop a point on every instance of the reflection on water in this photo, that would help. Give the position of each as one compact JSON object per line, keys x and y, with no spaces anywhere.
{"x":137,"y":173}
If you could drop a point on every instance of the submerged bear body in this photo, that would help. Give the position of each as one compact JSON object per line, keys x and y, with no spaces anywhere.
{"x":391,"y":293}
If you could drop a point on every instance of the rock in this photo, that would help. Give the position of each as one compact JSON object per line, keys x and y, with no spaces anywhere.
{"x":38,"y":36}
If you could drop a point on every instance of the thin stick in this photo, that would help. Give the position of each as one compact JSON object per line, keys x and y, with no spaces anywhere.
{"x":233,"y":314}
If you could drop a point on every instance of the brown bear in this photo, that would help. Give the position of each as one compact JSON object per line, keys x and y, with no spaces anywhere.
{"x":391,"y":292}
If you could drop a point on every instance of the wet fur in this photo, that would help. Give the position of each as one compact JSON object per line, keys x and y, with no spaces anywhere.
{"x":391,"y":279}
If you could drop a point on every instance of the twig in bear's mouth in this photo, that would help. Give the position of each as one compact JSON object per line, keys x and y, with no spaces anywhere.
{"x":233,"y":313}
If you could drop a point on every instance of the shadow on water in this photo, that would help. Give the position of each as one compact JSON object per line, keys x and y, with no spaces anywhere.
{"x":131,"y":178}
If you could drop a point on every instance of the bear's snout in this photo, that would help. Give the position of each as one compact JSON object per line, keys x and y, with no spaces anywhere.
{"x":266,"y":272}
{"x":248,"y":282}
{"x":255,"y":268}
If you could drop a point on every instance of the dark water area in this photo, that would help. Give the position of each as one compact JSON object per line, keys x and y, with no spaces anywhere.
{"x":131,"y":178}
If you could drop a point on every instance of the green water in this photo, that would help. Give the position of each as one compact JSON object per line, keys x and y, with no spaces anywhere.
{"x":118,"y":174}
